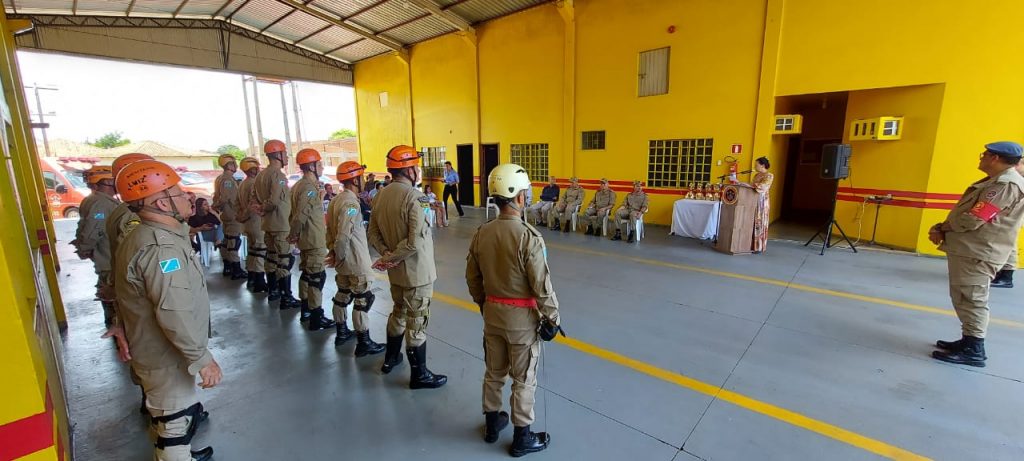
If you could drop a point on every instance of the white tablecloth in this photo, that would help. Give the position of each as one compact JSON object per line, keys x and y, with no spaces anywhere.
{"x":696,"y":218}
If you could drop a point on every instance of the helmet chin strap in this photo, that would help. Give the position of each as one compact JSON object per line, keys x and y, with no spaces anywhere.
{"x":174,"y":213}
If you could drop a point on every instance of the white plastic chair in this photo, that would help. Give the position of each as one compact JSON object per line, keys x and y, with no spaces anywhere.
{"x":637,"y":227}
{"x":487,"y":208}
{"x":575,"y":216}
{"x":243,"y":249}
{"x":431,"y":217}
{"x":205,"y":249}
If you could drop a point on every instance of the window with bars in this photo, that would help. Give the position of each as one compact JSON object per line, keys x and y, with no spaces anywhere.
{"x":533,"y":158}
{"x":433,"y":162}
{"x":675,"y":163}
{"x":593,"y":140}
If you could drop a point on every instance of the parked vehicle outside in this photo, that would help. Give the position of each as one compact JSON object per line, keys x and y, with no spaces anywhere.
{"x":64,"y":190}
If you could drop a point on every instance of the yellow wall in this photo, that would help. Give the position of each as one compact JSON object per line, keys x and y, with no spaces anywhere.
{"x":381,"y":128}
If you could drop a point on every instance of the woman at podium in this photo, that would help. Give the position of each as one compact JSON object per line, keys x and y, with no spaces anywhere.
{"x":762,"y":182}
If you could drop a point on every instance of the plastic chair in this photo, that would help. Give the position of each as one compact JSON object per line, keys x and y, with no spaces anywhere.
{"x":243,"y":249}
{"x":575,"y":216}
{"x":431,"y":217}
{"x":487,"y":208}
{"x":205,"y":249}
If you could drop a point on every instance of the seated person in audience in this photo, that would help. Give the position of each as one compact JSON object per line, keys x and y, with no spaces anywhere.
{"x":329,"y":192}
{"x":548,"y":197}
{"x":204,"y":221}
{"x":436,"y":205}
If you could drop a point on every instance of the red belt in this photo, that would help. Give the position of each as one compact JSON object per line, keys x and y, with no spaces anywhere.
{"x":517,"y":302}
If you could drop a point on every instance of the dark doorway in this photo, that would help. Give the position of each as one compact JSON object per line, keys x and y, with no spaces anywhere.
{"x":465,"y":168}
{"x":489,"y":160}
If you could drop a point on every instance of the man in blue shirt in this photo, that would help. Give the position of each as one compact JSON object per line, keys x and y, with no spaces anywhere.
{"x":548,"y":197}
{"x":451,"y":188}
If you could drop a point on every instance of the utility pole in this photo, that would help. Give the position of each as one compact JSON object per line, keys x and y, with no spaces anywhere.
{"x":41,"y":124}
{"x":284,"y":113}
{"x":248,"y":120}
{"x":259,"y":122}
{"x":298,"y":123}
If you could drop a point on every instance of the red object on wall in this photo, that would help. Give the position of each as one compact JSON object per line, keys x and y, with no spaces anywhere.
{"x":671,"y":29}
{"x":737,"y":148}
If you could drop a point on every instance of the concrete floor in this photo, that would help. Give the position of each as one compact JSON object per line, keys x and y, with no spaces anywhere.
{"x":842,"y":339}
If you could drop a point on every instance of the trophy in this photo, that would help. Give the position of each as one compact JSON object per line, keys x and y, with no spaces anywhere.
{"x":689,"y":191}
{"x":700,"y":192}
{"x":708,"y":192}
{"x":716,"y":192}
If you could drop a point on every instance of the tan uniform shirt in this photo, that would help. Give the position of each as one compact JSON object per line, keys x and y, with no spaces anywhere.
{"x":508,"y":259}
{"x":272,"y":192}
{"x":246,"y":196}
{"x":119,"y":224}
{"x":603,"y":199}
{"x":91,"y":234}
{"x":307,"y":219}
{"x":398,"y":225}
{"x":987,"y":219}
{"x":636,"y":201}
{"x":346,"y":235}
{"x":573,"y":196}
{"x":225,"y":197}
{"x":162,"y":298}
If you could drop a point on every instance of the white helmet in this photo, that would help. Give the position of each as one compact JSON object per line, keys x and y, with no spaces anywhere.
{"x":506,"y":180}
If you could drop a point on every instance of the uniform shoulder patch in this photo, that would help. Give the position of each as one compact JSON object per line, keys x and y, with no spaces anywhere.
{"x":351,"y":211}
{"x":282,"y":182}
{"x":170,"y":265}
{"x":229,"y":183}
{"x":99,"y":216}
{"x":310,"y":193}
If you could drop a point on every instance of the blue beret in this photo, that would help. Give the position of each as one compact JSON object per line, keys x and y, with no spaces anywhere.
{"x":1005,"y":149}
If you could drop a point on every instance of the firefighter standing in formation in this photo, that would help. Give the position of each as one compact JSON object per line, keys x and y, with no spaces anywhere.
{"x":350,"y":256}
{"x":90,"y":239}
{"x":251,"y":227}
{"x":398,"y":231}
{"x":225,"y":198}
{"x":308,"y":232}
{"x":273,"y":205}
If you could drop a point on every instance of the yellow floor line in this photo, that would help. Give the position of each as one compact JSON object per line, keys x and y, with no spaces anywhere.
{"x":782,"y":283}
{"x":796,"y":419}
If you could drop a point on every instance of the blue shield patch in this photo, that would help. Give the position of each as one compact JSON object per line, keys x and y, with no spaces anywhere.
{"x":310,"y":193}
{"x":170,"y":265}
{"x":99,"y":216}
{"x":352,"y":212}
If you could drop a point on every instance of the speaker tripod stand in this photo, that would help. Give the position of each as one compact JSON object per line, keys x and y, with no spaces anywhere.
{"x":825,"y":233}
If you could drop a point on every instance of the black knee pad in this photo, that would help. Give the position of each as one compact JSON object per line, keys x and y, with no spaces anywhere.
{"x":194,"y":411}
{"x":287,"y":261}
{"x":318,"y":279}
{"x":236,"y":242}
{"x":363,"y":301}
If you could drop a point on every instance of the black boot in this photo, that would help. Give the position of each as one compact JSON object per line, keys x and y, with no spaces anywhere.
{"x":365,"y":346}
{"x":227,"y":269}
{"x":303,"y":310}
{"x":1004,"y":279}
{"x":341,"y":333}
{"x":629,"y":237}
{"x":972,"y":352}
{"x":555,"y":225}
{"x":273,"y":288}
{"x":420,"y":376}
{"x":590,"y":230}
{"x":953,"y":346}
{"x":317,"y":320}
{"x":566,"y":227}
{"x":142,"y":406}
{"x":237,"y":272}
{"x":618,"y":235}
{"x":249,"y":280}
{"x":259,"y":285}
{"x":393,"y":354}
{"x":205,"y":454}
{"x":525,"y":442}
{"x":496,"y":422}
{"x":284,"y":285}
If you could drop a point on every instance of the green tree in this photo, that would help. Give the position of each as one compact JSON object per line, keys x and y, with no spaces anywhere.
{"x":343,"y":133}
{"x":112,"y":139}
{"x":232,"y":149}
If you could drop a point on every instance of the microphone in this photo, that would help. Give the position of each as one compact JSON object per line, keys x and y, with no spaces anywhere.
{"x":746,"y":172}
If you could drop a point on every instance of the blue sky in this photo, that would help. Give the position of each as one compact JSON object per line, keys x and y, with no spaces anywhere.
{"x":189,"y":108}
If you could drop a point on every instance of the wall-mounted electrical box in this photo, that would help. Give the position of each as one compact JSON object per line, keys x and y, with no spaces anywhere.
{"x":876,"y":129}
{"x":788,"y":124}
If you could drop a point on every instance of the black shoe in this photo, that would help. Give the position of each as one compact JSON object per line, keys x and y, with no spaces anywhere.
{"x":317,"y":321}
{"x":421,"y":377}
{"x":365,"y":346}
{"x":249,"y":280}
{"x":284,"y":285}
{"x":495,"y":423}
{"x":590,"y":230}
{"x":341,"y":333}
{"x":273,"y":288}
{"x":237,"y":273}
{"x":1004,"y":279}
{"x":303,"y":310}
{"x":205,"y":454}
{"x":393,"y":354}
{"x":259,"y":285}
{"x":227,"y":269}
{"x":525,"y":442}
{"x":971,"y":353}
{"x":617,"y":236}
{"x":953,"y":346}
{"x":630,"y":238}
{"x":566,"y":227}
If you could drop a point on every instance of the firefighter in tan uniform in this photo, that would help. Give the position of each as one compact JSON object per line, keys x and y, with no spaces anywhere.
{"x":122,"y":220}
{"x":165,"y":307}
{"x":251,"y":227}
{"x":564,"y":208}
{"x":90,"y":238}
{"x":1004,"y":279}
{"x":308,"y":232}
{"x":978,"y":235}
{"x":508,"y":277}
{"x":225,"y":198}
{"x":398,"y":231}
{"x":350,"y":256}
{"x":633,"y":208}
{"x":273,"y":205}
{"x":599,"y":208}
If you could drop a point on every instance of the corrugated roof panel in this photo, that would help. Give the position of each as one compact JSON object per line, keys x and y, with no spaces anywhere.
{"x":389,"y":14}
{"x":296,"y":26}
{"x":342,"y":8}
{"x":106,"y":7}
{"x":362,"y":50}
{"x":201,"y":7}
{"x":230,"y":8}
{"x":476,"y":11}
{"x":54,"y":6}
{"x":423,"y":29}
{"x":157,"y":7}
{"x":331,"y":39}
{"x":260,"y":13}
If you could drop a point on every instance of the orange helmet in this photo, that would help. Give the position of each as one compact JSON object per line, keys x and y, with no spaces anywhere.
{"x":224,"y":159}
{"x":274,"y":146}
{"x":403,"y":156}
{"x":125,"y":159}
{"x":145,"y":178}
{"x":307,"y":156}
{"x":249,"y":163}
{"x":98,"y":173}
{"x":349,"y":170}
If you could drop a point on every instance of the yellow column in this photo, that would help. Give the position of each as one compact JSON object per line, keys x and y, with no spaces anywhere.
{"x":567,"y":9}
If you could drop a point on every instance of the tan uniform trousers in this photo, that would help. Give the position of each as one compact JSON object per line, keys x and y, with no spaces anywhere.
{"x":595,"y":219}
{"x":311,"y":262}
{"x":410,"y":314}
{"x":969,"y":280}
{"x":279,"y":253}
{"x":540,"y":210}
{"x":232,"y":241}
{"x":625,"y":218}
{"x":257,"y":252}
{"x":105,"y":291}
{"x":1011,"y":263}
{"x":515,"y":354}
{"x":352,"y":287}
{"x":168,"y":391}
{"x":563,"y":211}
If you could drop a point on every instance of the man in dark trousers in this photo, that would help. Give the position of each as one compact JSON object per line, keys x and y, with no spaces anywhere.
{"x":451,"y":188}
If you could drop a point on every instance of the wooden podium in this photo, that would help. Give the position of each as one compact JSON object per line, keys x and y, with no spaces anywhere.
{"x":736,"y":225}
